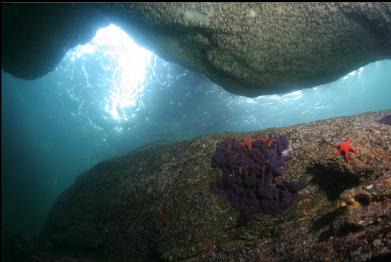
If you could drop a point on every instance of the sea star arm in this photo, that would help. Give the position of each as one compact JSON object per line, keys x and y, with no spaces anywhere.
{"x":347,"y":157}
{"x":338,"y":152}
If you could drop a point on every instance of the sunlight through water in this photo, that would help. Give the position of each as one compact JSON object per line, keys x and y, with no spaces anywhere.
{"x":129,"y":63}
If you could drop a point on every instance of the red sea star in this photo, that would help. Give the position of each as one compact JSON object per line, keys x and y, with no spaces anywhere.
{"x":248,"y":141}
{"x":267,"y":140}
{"x":345,"y":148}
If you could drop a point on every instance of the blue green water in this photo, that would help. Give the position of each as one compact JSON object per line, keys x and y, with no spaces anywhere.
{"x":62,"y":124}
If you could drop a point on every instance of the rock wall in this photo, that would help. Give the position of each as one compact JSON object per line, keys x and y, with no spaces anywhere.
{"x":155,"y":203}
{"x":247,"y":48}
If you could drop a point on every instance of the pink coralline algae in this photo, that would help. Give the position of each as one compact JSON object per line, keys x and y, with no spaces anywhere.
{"x":248,"y":171}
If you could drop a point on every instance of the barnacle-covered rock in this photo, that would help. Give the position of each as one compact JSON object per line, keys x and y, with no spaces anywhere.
{"x":362,"y":228}
{"x":248,"y":48}
{"x":155,"y":202}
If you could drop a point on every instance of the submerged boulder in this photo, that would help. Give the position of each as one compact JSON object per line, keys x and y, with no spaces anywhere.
{"x":156,"y":203}
{"x":248,"y":48}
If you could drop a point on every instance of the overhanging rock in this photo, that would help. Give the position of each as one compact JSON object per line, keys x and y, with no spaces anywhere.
{"x":248,"y":48}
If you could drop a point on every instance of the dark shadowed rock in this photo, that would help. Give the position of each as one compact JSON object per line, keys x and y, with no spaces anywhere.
{"x":156,"y":203}
{"x":247,"y":48}
{"x":35,"y":37}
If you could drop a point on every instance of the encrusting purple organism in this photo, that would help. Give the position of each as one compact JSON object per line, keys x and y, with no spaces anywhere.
{"x":248,"y":171}
{"x":385,"y":120}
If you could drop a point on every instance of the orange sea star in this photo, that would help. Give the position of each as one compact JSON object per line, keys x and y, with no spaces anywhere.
{"x":344,"y":148}
{"x":248,"y":141}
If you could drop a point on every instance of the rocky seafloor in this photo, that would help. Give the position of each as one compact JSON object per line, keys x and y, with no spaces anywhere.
{"x":155,"y":203}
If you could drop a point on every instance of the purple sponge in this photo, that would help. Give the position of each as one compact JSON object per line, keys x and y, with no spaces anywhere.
{"x":247,"y":179}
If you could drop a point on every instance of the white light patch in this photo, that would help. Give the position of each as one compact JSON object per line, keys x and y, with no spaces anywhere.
{"x":357,"y":72}
{"x":83,"y":50}
{"x":130,"y":63}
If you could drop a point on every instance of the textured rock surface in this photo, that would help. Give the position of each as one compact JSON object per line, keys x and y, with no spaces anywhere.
{"x":247,"y":48}
{"x":155,"y":203}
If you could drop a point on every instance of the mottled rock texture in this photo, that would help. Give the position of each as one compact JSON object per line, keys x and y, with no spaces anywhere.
{"x":247,"y":48}
{"x":155,"y":203}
